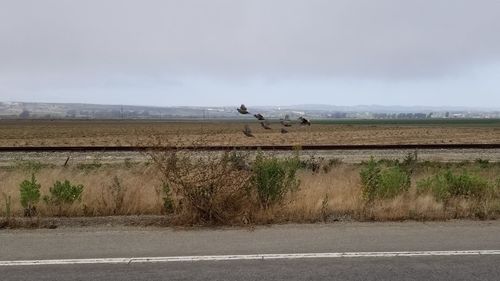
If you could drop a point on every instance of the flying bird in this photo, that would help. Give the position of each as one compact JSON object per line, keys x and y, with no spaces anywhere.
{"x":259,"y":117}
{"x":304,"y":121}
{"x":248,"y":132}
{"x":265,"y":125}
{"x":243,"y":109}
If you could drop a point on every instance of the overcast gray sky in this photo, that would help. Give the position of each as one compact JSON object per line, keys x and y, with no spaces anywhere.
{"x":260,"y":52}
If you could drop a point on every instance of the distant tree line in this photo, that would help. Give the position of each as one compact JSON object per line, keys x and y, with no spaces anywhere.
{"x":402,"y":115}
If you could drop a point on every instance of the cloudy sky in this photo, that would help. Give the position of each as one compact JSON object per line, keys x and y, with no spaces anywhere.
{"x":260,"y":52}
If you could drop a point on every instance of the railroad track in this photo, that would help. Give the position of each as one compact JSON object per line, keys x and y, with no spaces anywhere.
{"x":249,"y":148}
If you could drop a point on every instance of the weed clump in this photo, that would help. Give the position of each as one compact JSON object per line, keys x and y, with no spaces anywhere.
{"x":273,"y":178}
{"x":483,"y":163}
{"x":379,"y":182}
{"x":117,"y":192}
{"x":394,"y":181}
{"x":222,"y":188}
{"x":165,"y":193}
{"x":30,"y":195}
{"x":318,"y":164}
{"x":63,"y":195}
{"x":88,"y":167}
{"x":447,"y":185}
{"x":205,"y":189}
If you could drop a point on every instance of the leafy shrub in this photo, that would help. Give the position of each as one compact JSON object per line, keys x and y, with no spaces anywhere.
{"x":63,"y":194}
{"x":211,"y":189}
{"x":383,"y":183}
{"x":30,"y":195}
{"x":394,"y":181}
{"x":447,"y":185}
{"x":273,"y":178}
{"x":371,"y":180}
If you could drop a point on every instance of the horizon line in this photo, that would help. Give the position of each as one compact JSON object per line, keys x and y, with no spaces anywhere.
{"x":292,"y":105}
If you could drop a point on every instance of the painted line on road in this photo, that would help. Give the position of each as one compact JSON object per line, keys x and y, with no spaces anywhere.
{"x":249,"y":257}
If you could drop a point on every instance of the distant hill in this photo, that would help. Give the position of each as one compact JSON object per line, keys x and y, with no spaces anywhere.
{"x":99,"y":111}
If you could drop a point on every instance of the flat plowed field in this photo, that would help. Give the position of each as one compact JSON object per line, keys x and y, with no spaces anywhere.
{"x":116,"y":133}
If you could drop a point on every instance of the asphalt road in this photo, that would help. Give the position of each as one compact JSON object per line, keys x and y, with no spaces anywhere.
{"x":94,"y":243}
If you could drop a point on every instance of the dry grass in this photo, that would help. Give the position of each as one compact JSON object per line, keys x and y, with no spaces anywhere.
{"x":112,"y":133}
{"x":335,"y":195}
{"x":139,"y":184}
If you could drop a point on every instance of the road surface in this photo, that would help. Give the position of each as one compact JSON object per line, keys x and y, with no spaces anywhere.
{"x":348,"y":251}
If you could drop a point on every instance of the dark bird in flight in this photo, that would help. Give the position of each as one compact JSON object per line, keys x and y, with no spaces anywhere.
{"x":284,"y":131}
{"x":259,"y":117}
{"x":304,"y":121}
{"x":248,"y":132}
{"x":243,"y":109}
{"x":265,"y":125}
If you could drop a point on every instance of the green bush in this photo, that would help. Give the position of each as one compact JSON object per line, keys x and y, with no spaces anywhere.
{"x":394,"y":181}
{"x":371,"y":180}
{"x":273,"y":178}
{"x":387,"y":182}
{"x":447,"y":185}
{"x":30,"y":195}
{"x":64,"y":193}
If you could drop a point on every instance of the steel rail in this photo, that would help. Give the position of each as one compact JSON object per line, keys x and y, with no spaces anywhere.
{"x":250,"y":147}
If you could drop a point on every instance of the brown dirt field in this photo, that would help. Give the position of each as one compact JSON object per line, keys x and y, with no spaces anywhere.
{"x":117,"y":133}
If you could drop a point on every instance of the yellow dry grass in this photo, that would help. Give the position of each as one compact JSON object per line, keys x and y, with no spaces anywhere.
{"x":335,"y":195}
{"x":138,"y":184}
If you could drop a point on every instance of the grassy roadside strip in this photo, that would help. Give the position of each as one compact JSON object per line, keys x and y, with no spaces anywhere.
{"x":229,"y":189}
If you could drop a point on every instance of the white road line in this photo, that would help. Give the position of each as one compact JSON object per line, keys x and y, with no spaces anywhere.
{"x":249,"y":257}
